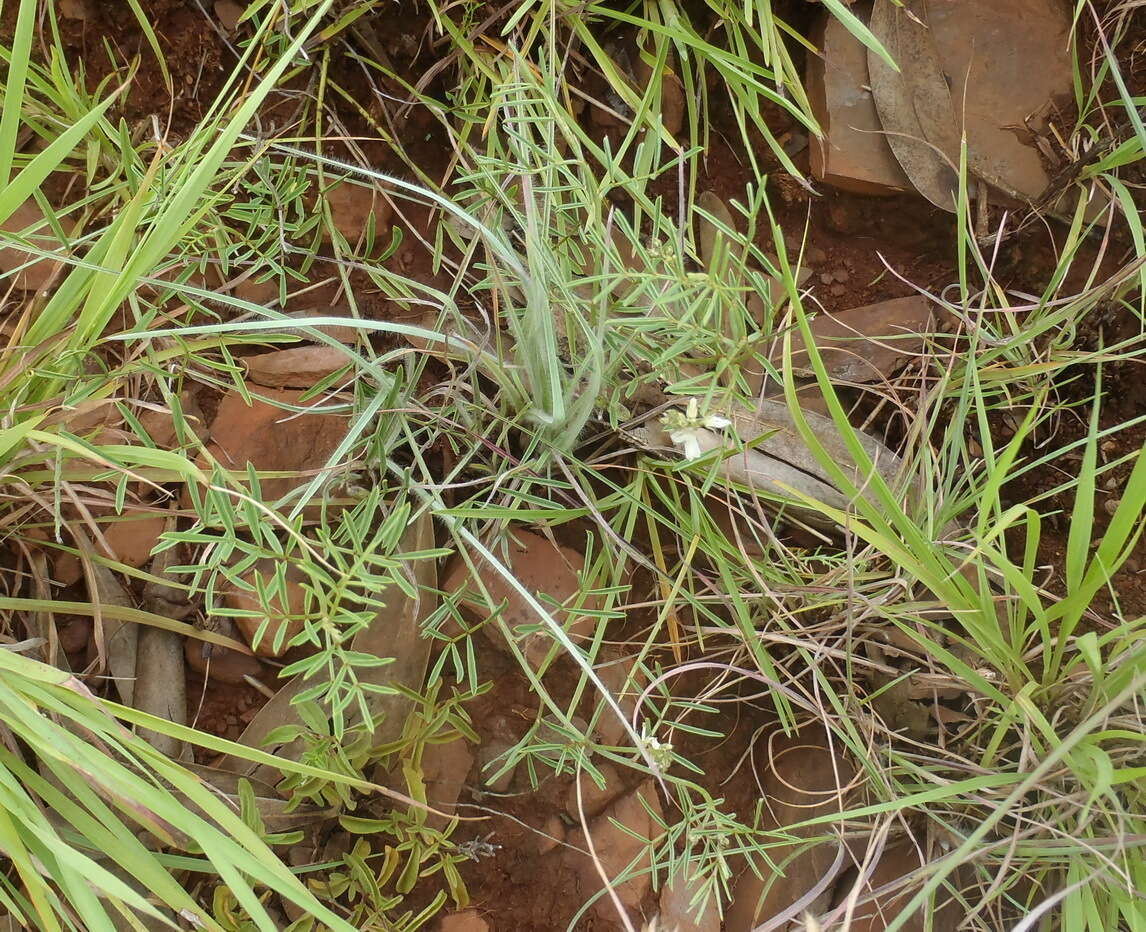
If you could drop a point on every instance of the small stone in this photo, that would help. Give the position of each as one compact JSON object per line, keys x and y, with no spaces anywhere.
{"x":842,"y":275}
{"x":616,"y":673}
{"x":66,"y":568}
{"x":337,"y":846}
{"x":865,"y":344}
{"x":160,"y":424}
{"x":676,"y":914}
{"x":594,"y":798}
{"x":672,"y":93}
{"x":74,"y":632}
{"x":616,"y":848}
{"x":228,"y":13}
{"x":542,"y":568}
{"x":132,"y":536}
{"x":552,"y":835}
{"x":300,"y":855}
{"x":296,"y":367}
{"x":553,"y":743}
{"x":490,"y":757}
{"x":75,"y":9}
{"x":468,"y":920}
{"x":271,"y":438}
{"x":815,"y":255}
{"x":826,"y":278}
{"x":351,"y":207}
{"x":222,"y":663}
{"x":444,"y":771}
{"x":37,"y":275}
{"x":838,"y":291}
{"x":276,"y":615}
{"x":257,"y":291}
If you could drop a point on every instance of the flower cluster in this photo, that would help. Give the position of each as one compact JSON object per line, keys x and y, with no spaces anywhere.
{"x":684,"y":427}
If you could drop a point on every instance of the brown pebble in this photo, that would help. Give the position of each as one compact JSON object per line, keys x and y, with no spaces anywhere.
{"x":553,"y":834}
{"x":222,"y":663}
{"x":838,"y":291}
{"x":74,"y":631}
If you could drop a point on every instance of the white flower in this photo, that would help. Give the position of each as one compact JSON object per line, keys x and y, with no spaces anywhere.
{"x":659,"y":751}
{"x":687,"y":439}
{"x":684,"y":429}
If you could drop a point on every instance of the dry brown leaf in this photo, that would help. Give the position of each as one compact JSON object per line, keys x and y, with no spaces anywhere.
{"x":396,"y":633}
{"x":297,"y":367}
{"x":116,"y":640}
{"x":863,"y":344}
{"x":914,"y":104}
{"x":708,"y":233}
{"x":161,"y":677}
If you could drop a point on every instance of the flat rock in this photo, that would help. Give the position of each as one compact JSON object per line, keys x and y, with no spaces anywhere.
{"x":864,"y":344}
{"x":37,"y":275}
{"x":675,"y":913}
{"x":271,"y":438}
{"x":284,"y":618}
{"x":853,"y":154}
{"x":295,"y":367}
{"x":344,"y":333}
{"x":594,"y":797}
{"x":547,"y":570}
{"x":803,"y":781}
{"x":132,"y":536}
{"x":221,"y":663}
{"x":617,"y":848}
{"x":1014,"y":60}
{"x":1004,"y":63}
{"x":351,"y":207}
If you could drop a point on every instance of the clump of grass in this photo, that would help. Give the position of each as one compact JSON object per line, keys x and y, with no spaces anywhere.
{"x":583,"y":297}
